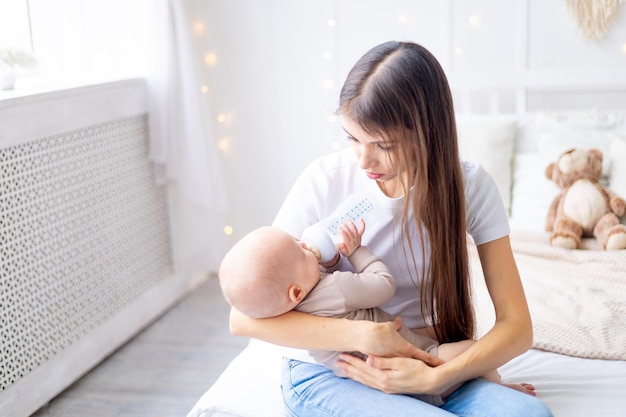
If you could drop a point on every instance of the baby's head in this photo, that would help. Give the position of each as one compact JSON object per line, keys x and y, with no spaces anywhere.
{"x":267,"y":273}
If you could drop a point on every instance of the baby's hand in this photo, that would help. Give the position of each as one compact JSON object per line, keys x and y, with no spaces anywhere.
{"x":351,"y":235}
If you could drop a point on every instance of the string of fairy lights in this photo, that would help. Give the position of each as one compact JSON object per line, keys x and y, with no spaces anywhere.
{"x":328,"y":84}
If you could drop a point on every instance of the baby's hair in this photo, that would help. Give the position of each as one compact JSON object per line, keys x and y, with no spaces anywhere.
{"x":254,"y":278}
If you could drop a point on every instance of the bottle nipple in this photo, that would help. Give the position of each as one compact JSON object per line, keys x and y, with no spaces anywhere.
{"x":313,"y":249}
{"x":320,"y":242}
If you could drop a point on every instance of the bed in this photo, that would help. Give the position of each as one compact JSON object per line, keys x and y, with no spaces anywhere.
{"x":577,"y":298}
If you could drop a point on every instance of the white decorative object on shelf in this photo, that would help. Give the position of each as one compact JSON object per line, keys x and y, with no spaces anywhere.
{"x":593,"y":16}
{"x":11,"y":60}
{"x":7,"y":77}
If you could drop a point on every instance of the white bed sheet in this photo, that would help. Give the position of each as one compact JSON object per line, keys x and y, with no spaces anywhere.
{"x":571,"y":387}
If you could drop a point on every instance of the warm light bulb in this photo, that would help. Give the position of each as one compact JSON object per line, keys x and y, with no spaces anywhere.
{"x":199,"y":27}
{"x":332,"y":23}
{"x":204,"y":89}
{"x":458,"y":51}
{"x":224,"y":145}
{"x":327,"y":55}
{"x":328,"y":83}
{"x":210,"y":59}
{"x":228,"y":230}
{"x":403,"y":18}
{"x":474,"y":20}
{"x":335,"y":145}
{"x":332,"y":118}
{"x":221,"y":118}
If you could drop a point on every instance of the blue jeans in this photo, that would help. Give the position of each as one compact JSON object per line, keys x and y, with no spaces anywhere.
{"x":312,"y":390}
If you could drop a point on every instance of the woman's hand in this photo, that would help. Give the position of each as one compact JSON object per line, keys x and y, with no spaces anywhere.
{"x":383,"y":340}
{"x":392,"y":375}
{"x":393,"y":365}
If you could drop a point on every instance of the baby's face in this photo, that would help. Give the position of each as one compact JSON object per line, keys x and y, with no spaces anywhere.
{"x":305,"y":263}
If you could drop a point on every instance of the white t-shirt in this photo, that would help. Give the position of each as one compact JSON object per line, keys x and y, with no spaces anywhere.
{"x":329,"y":180}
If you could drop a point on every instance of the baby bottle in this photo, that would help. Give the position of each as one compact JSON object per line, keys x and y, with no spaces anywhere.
{"x":324,"y":237}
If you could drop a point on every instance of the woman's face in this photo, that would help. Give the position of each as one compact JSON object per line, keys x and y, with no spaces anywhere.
{"x":375,"y":157}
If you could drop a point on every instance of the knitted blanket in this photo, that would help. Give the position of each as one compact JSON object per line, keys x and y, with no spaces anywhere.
{"x":577,"y":298}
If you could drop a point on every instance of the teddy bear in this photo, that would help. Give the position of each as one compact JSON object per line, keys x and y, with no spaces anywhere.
{"x":584,"y":208}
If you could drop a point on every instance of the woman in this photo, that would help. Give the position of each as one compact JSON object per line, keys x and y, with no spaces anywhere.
{"x":398,"y":114}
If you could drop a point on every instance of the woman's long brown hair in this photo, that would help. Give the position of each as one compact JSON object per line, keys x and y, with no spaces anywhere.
{"x":398,"y":91}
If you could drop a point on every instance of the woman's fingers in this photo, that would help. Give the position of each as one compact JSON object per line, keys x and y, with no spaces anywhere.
{"x":390,"y":375}
{"x":427,"y":358}
{"x":358,"y":370}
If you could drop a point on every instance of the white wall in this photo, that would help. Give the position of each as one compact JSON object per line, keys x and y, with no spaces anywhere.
{"x":273,"y":68}
{"x":279,"y":67}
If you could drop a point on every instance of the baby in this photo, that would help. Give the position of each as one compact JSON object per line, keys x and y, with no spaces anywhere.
{"x":269,"y":272}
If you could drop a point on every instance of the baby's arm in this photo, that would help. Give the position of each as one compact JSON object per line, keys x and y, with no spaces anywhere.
{"x":372,"y":284}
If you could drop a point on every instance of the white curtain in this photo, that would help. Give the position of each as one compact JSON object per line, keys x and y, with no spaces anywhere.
{"x":182,"y":142}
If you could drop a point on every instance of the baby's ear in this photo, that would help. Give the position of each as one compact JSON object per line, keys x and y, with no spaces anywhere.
{"x":296,"y":294}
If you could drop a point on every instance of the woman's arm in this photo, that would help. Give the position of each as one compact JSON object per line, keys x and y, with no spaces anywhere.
{"x":306,"y":331}
{"x":510,"y":336}
{"x":297,"y":330}
{"x":512,"y":332}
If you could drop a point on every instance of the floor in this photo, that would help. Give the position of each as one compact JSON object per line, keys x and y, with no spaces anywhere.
{"x":164,"y":370}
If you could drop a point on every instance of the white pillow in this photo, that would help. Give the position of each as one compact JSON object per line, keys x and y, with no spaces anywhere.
{"x":488,"y":141}
{"x":249,"y":387}
{"x":617,"y":176}
{"x":532,"y":192}
{"x":557,"y":132}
